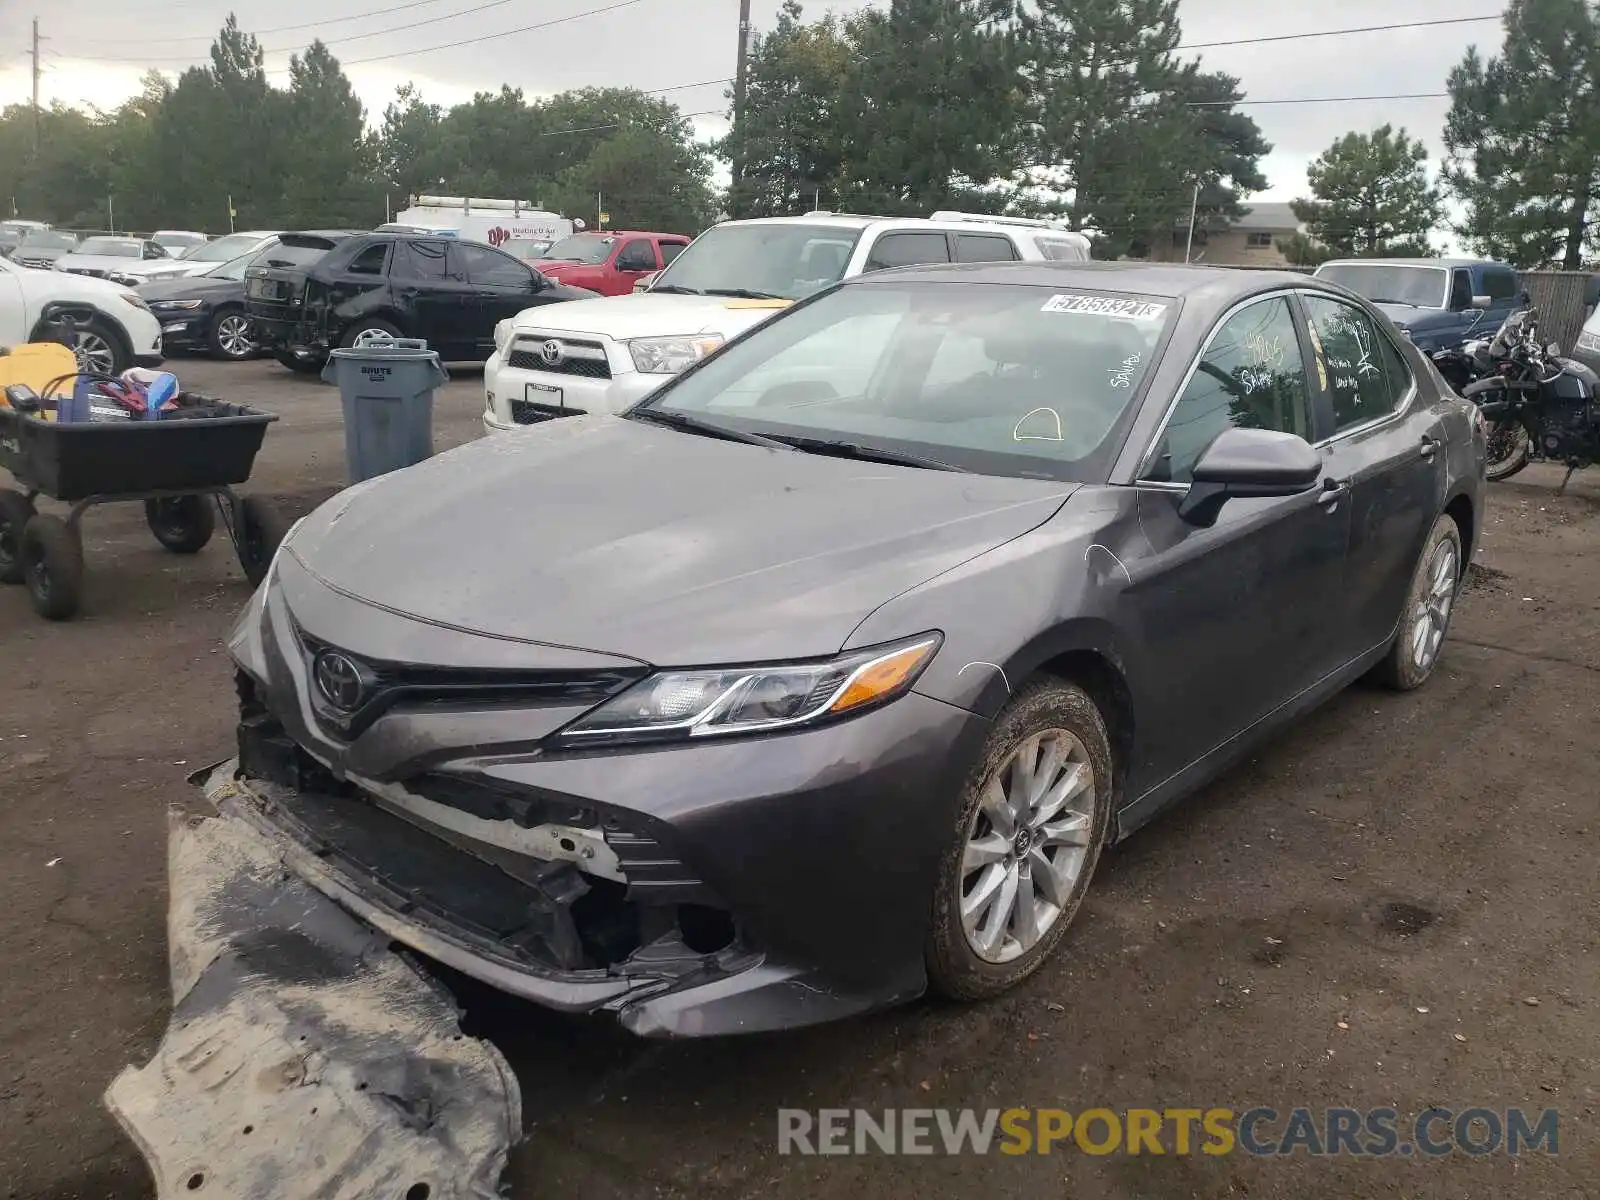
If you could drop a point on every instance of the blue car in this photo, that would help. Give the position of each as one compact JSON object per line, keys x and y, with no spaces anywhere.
{"x":1440,"y":302}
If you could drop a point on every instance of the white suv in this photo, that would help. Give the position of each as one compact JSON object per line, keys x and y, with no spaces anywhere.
{"x":112,"y":328}
{"x":602,"y":355}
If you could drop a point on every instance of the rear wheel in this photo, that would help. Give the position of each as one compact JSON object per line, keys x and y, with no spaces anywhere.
{"x":1429,"y":604}
{"x":1509,"y":448}
{"x":16,"y":510}
{"x":377,"y":328}
{"x":183,"y":524}
{"x":52,"y":567}
{"x":1031,"y":822}
{"x":301,"y":362}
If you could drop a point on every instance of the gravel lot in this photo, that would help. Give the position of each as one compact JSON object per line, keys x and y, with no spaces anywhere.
{"x":1392,"y":854}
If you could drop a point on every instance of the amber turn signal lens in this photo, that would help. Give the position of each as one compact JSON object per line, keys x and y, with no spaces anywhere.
{"x":884,"y":677}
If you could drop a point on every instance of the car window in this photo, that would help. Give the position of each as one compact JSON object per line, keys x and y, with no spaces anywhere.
{"x":1351,"y":349}
{"x":155,"y":250}
{"x":671,"y":250}
{"x":637,"y":255}
{"x":1251,"y":376}
{"x":370,"y":261}
{"x":1390,"y":283}
{"x":784,"y":259}
{"x":984,"y":247}
{"x":1499,"y":283}
{"x":419,"y":262}
{"x":907,"y":250}
{"x":1460,"y":288}
{"x":1059,"y":249}
{"x":999,"y":379}
{"x":484,"y":267}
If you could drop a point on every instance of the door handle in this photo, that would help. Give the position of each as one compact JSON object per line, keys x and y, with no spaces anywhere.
{"x":1333,"y":490}
{"x":1429,"y":447}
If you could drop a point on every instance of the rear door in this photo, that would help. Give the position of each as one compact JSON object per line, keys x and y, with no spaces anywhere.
{"x":985,"y":247}
{"x":1233,"y":621}
{"x":907,"y":248}
{"x":433,"y":295}
{"x":1386,"y":440}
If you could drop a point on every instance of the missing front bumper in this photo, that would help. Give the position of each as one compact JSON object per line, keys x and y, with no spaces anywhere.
{"x":304,"y":1058}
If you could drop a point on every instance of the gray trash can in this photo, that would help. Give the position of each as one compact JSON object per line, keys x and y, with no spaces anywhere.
{"x":386,"y":390}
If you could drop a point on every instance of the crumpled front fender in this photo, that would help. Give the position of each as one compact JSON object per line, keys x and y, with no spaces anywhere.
{"x":304,"y":1057}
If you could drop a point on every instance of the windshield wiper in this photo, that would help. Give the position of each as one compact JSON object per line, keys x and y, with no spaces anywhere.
{"x":898,"y":458}
{"x":679,"y":289}
{"x":1402,"y":303}
{"x":687,"y":424}
{"x":743,"y":293}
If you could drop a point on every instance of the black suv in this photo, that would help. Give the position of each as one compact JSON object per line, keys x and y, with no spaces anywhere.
{"x":326,"y":291}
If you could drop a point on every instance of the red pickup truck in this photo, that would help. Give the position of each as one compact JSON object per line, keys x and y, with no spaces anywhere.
{"x":609,"y":261}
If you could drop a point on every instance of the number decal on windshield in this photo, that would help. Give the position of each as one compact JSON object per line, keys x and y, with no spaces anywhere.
{"x":1104,"y":306}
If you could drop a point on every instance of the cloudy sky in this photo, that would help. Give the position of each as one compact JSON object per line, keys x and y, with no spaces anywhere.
{"x":97,"y":49}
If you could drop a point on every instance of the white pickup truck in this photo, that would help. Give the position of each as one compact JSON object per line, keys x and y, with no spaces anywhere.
{"x":603,"y":355}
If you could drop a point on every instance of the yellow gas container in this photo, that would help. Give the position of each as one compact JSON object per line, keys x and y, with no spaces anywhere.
{"x":37,"y":364}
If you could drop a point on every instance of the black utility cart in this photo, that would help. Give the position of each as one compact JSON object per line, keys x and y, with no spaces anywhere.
{"x":179,"y":466}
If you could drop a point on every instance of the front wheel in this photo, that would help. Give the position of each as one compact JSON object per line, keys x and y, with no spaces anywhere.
{"x":1028,"y":832}
{"x":231,"y":336}
{"x":1429,"y":604}
{"x":373,"y":327}
{"x":52,"y":567}
{"x":259,"y":528}
{"x":98,"y":350}
{"x":16,"y":510}
{"x":1509,"y":448}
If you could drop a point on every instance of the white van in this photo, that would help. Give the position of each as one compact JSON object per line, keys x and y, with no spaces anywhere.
{"x":602,"y":355}
{"x":492,"y":222}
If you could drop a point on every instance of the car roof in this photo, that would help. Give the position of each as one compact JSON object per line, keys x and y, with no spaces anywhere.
{"x":1441,"y":263}
{"x":1220,"y":285}
{"x":624,"y":233}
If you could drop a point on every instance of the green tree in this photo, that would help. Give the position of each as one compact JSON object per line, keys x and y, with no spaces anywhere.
{"x":331,"y":174}
{"x":1370,"y":195}
{"x":930,"y":108}
{"x":787,"y":139}
{"x":1523,"y":136}
{"x":646,"y":180}
{"x":1301,"y":251}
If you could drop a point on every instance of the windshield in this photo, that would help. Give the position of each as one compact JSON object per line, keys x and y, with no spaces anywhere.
{"x":112,"y":247}
{"x":1386,"y":283}
{"x":582,"y":248}
{"x":527,"y":248}
{"x":16,"y":230}
{"x":224,"y":248}
{"x":283,"y":254}
{"x":785,"y":261}
{"x":996,"y":379}
{"x":46,"y":239}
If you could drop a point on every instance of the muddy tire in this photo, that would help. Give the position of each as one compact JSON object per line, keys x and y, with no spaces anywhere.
{"x":1028,"y":831}
{"x":1509,"y":449}
{"x":52,"y":567}
{"x":301,"y":364}
{"x":183,"y":524}
{"x":1430,"y":603}
{"x":16,"y":510}
{"x":260,"y":528}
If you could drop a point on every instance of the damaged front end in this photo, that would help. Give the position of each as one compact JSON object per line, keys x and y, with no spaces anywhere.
{"x":304,"y":1057}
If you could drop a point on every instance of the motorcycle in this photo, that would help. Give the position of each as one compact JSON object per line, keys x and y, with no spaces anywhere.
{"x":1538,"y":406}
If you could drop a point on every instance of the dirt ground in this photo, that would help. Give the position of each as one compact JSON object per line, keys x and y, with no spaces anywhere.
{"x":1395,"y":904}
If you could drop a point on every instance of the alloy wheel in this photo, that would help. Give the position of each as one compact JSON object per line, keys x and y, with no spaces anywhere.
{"x":234,"y":336}
{"x":94,"y":354}
{"x":1431,"y":616}
{"x":1026,"y":845}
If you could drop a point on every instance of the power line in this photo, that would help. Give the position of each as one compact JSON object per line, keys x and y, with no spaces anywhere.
{"x":1295,"y":37}
{"x":387,"y":11}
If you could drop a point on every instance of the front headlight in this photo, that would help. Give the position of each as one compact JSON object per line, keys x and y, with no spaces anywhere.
{"x":186,"y":305}
{"x":670,"y":355}
{"x":689,"y":704}
{"x":136,"y":300}
{"x":502,"y":334}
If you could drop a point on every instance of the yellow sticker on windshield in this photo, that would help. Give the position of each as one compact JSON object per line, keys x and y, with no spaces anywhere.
{"x":758,"y":304}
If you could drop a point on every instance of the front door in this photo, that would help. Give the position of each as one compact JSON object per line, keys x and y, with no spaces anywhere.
{"x":635,"y":260}
{"x":433,"y":293}
{"x":1388,"y":442}
{"x":502,"y":287}
{"x":1234,"y":620}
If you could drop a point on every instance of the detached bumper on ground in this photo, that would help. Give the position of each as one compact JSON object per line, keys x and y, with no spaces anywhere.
{"x":304,"y":1058}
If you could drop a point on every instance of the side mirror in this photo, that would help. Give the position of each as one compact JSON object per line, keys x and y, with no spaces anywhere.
{"x":1482,"y":301}
{"x":1248,"y":462}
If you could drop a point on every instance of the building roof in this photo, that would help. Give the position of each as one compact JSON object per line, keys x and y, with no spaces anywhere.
{"x":1277,"y":217}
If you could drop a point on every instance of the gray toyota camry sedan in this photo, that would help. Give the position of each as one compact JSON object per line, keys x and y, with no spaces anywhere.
{"x":823,"y":676}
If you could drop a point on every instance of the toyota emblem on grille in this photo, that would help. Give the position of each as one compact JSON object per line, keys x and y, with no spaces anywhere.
{"x":339,"y":680}
{"x":551,"y":352}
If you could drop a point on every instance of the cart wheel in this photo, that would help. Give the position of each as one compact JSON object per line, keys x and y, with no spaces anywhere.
{"x":16,"y":510}
{"x":183,"y":524}
{"x":260,"y":528}
{"x":52,"y":566}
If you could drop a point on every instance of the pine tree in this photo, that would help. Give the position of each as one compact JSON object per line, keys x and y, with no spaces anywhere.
{"x":1371,"y":195}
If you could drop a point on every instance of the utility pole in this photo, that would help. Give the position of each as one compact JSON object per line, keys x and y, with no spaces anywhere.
{"x":1194,"y":208}
{"x":736,"y":167}
{"x":36,"y":85}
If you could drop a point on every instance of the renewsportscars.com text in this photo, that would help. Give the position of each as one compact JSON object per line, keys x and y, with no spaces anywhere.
{"x":1261,"y":1131}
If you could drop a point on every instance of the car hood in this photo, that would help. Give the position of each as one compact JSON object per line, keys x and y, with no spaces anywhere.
{"x":610,"y":535}
{"x":190,"y":289}
{"x":106,"y":262}
{"x":35,"y":252}
{"x":649,"y":314}
{"x":1410,"y":315}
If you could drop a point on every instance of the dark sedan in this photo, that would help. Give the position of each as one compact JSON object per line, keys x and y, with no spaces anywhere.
{"x":823,"y":675}
{"x":205,"y":312}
